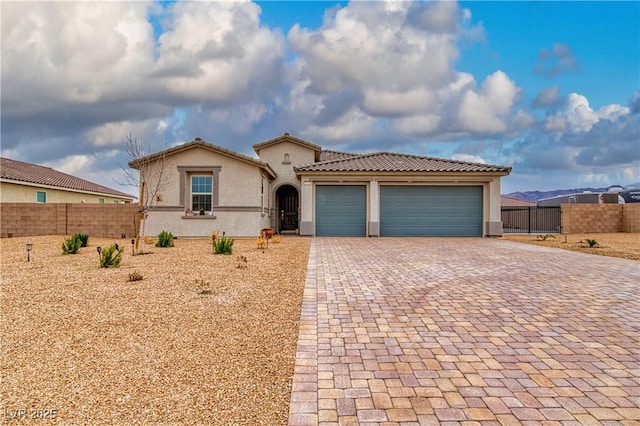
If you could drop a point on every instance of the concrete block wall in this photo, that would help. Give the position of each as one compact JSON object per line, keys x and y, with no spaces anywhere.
{"x":98,"y":220}
{"x":631,"y":217}
{"x":581,"y":218}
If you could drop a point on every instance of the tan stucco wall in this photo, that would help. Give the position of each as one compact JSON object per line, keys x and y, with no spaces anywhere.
{"x":274,"y":156}
{"x":19,"y":193}
{"x":238,"y":212}
{"x":239,"y":182}
{"x":233,"y":223}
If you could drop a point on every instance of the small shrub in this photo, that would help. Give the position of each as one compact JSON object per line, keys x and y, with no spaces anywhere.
{"x":165,"y":239}
{"x":84,"y":239}
{"x":203,"y":287}
{"x":242,"y":262}
{"x":71,"y":245}
{"x":135,"y":276}
{"x":111,"y":256}
{"x":223,"y":245}
{"x":591,"y":243}
{"x":546,"y":237}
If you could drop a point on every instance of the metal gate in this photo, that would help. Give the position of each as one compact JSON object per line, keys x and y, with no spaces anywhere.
{"x":531,"y":220}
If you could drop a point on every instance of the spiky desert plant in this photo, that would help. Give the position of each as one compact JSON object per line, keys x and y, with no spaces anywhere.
{"x":84,"y":239}
{"x":223,"y":245}
{"x":71,"y":245}
{"x":165,"y":239}
{"x":111,"y":256}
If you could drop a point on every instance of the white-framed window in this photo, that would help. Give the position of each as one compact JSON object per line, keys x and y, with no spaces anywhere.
{"x":101,"y":200}
{"x":41,"y":197}
{"x":201,"y":193}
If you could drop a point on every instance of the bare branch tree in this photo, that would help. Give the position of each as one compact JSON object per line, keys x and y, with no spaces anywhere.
{"x":147,"y":172}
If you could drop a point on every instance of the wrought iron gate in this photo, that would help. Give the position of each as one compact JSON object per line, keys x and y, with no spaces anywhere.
{"x":531,"y":220}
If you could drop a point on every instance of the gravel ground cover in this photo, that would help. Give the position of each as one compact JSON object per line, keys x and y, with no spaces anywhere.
{"x":197,"y":341}
{"x":624,"y":244}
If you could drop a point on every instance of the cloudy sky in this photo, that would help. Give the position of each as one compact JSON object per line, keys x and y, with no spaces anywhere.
{"x":549,"y":88}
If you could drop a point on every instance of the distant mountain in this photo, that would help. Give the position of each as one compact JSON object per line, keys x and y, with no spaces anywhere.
{"x":539,"y":195}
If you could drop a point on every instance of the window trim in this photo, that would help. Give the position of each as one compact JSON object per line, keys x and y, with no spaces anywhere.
{"x":45,"y":197}
{"x":185,"y":183}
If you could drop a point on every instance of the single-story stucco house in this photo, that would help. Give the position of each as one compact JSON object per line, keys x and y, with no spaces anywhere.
{"x":296,"y":186}
{"x":22,"y":182}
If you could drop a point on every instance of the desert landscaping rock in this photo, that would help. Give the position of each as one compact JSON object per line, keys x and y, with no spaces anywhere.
{"x":99,"y":349}
{"x":625,"y":245}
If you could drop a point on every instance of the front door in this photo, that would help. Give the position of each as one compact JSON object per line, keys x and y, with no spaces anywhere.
{"x":288,"y":207}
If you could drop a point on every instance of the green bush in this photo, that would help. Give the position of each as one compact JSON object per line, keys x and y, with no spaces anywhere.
{"x":71,"y":245}
{"x":165,"y":239}
{"x":591,"y":243}
{"x":223,"y":245}
{"x":111,"y":256}
{"x":84,"y":239}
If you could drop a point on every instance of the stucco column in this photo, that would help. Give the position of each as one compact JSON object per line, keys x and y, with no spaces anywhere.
{"x":306,"y":208}
{"x":374,"y":208}
{"x":493,"y":226}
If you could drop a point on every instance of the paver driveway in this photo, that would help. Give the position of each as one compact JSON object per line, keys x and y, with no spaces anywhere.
{"x":466,"y":331}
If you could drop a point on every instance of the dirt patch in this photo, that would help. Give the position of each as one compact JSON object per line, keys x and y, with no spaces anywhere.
{"x":624,"y":245}
{"x":199,"y":340}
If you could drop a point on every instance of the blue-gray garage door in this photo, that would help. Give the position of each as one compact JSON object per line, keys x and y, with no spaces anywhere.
{"x":341,"y":211}
{"x":425,"y":211}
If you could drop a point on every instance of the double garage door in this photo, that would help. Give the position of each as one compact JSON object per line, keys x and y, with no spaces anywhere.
{"x":417,"y":211}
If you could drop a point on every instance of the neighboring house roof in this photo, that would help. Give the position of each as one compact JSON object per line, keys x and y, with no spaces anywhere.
{"x":19,"y":171}
{"x":511,"y":202}
{"x":394,"y":162}
{"x":288,"y":138}
{"x":197,"y":142}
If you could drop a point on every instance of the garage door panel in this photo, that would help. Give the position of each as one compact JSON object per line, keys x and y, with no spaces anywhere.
{"x":431,"y":211}
{"x":341,"y":211}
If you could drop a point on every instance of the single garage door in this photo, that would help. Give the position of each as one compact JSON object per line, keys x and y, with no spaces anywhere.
{"x":424,"y":211}
{"x":341,"y":211}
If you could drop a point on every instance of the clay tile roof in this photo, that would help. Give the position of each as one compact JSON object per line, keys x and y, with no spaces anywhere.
{"x":394,"y":162}
{"x":327,"y":154}
{"x":20,"y":171}
{"x":515,"y":202}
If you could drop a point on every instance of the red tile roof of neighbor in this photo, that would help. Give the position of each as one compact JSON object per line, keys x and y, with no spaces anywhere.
{"x":19,"y":171}
{"x":394,"y":162}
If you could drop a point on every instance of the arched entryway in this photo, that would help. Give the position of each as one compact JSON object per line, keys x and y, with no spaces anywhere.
{"x":287,"y":199}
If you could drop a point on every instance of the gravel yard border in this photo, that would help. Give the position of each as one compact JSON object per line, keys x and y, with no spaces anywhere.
{"x":625,"y":245}
{"x":198,"y":340}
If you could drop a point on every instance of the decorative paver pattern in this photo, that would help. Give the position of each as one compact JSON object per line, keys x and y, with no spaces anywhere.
{"x":457,"y":331}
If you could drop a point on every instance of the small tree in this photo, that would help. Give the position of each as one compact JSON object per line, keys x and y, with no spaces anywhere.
{"x":149,"y":177}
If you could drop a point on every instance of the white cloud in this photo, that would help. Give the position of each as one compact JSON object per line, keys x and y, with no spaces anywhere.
{"x":488,"y":109}
{"x":578,"y":116}
{"x":468,"y":158}
{"x":369,"y":47}
{"x":395,"y":64}
{"x":218,"y":52}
